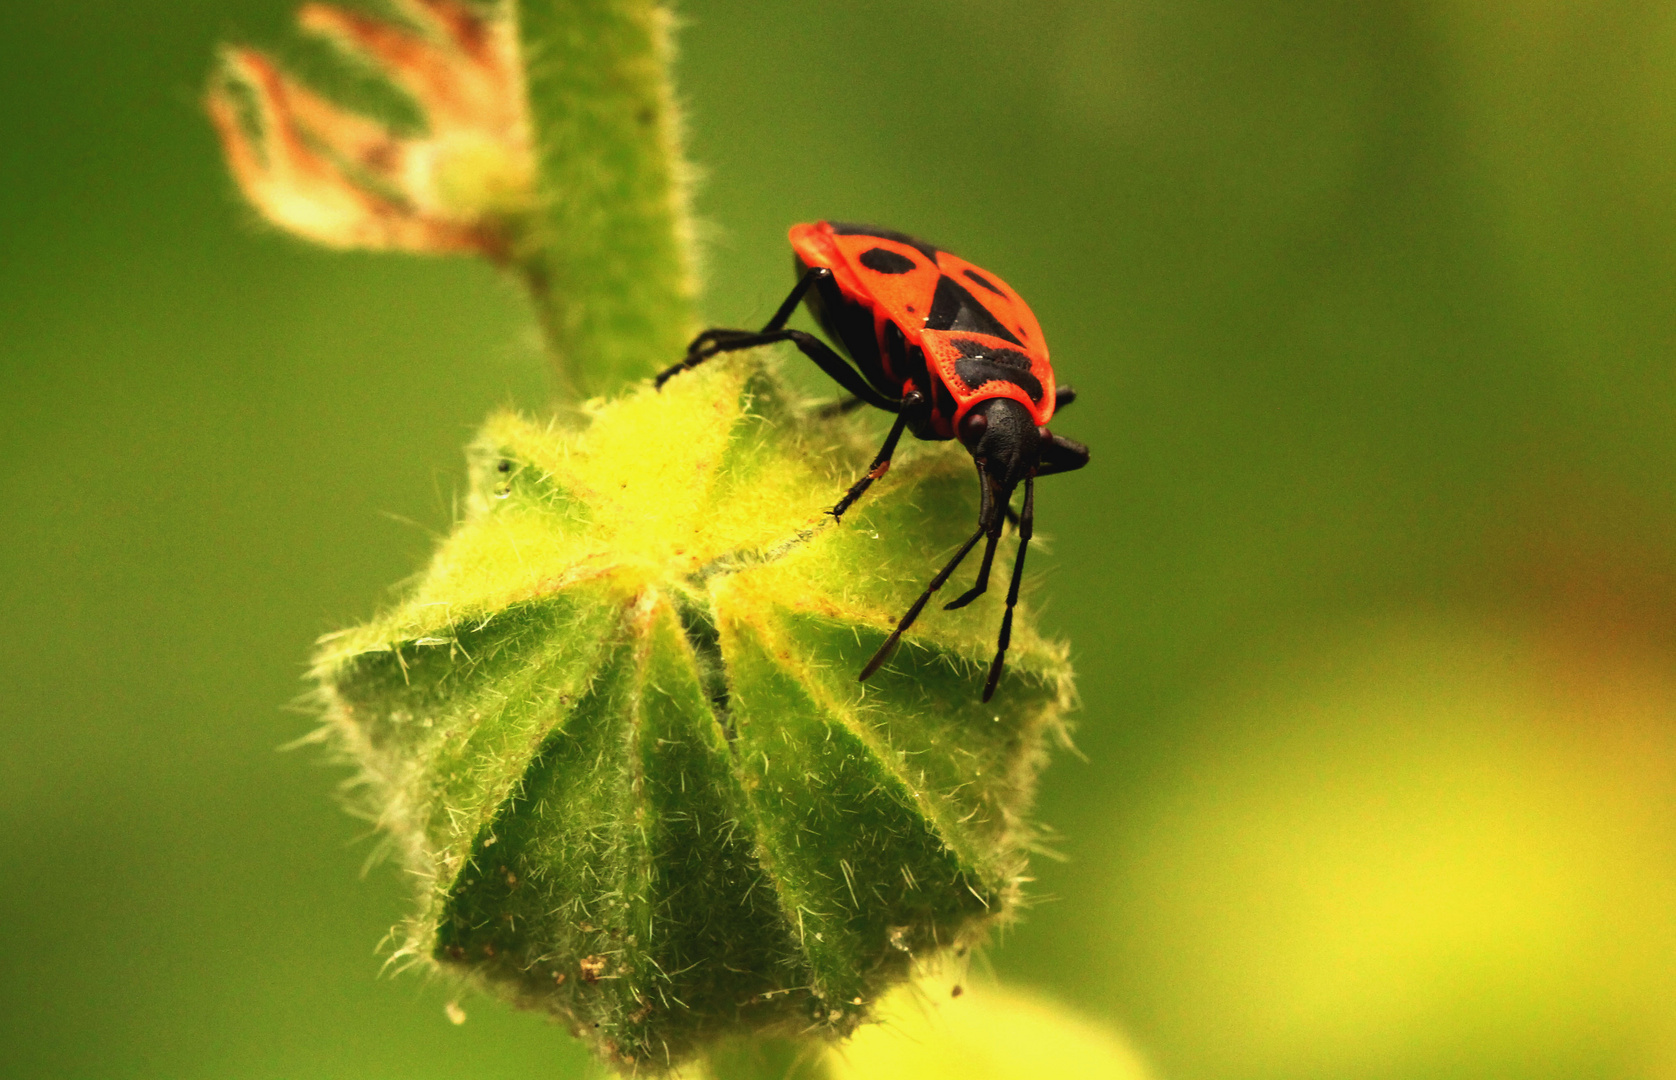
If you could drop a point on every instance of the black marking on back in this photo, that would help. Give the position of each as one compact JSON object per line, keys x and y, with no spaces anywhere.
{"x":848,"y":228}
{"x":977,"y":350}
{"x":953,"y":308}
{"x":885,"y":261}
{"x":982,"y":281}
{"x":975,"y":372}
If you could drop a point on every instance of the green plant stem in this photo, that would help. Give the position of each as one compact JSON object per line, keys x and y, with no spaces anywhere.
{"x":609,"y":265}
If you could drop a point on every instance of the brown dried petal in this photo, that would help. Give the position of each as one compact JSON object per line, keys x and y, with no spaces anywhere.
{"x":296,"y":186}
{"x":465,"y":79}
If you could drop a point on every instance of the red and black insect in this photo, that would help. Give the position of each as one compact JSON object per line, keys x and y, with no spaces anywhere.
{"x":953,"y":351}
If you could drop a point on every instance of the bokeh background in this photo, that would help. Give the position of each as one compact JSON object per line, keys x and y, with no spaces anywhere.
{"x":1372,"y":581}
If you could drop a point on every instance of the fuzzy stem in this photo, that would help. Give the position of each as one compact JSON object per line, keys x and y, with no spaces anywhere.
{"x":610,"y":263}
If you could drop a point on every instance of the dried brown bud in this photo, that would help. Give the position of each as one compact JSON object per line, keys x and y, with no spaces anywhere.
{"x":347,"y":181}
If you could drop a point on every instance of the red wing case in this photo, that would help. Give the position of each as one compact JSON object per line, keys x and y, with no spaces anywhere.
{"x":980,"y":338}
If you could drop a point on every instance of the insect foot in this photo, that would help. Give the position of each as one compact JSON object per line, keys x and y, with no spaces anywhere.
{"x":615,"y":734}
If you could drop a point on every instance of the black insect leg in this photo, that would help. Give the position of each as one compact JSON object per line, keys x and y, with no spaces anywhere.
{"x":1026,"y":524}
{"x":1058,"y":455}
{"x":810,"y":345}
{"x":1063,"y":395}
{"x":840,"y":408}
{"x":718,"y":340}
{"x":982,"y":584}
{"x":713,"y":342}
{"x":889,"y":646}
{"x":911,"y":404}
{"x":993,"y":528}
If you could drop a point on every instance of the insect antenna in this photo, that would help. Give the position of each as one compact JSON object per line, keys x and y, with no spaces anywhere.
{"x":1026,"y":524}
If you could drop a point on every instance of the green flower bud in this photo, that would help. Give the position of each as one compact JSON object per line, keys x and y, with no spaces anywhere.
{"x":616,"y":729}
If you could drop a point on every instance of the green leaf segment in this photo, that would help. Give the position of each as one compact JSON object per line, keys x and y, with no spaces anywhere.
{"x":616,"y":726}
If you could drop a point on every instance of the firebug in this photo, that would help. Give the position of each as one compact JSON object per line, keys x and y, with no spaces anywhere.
{"x":949,"y":348}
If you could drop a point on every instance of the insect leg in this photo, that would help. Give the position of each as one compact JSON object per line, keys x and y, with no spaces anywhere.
{"x":982,"y":583}
{"x":811,"y":276}
{"x":837,"y":367}
{"x":840,"y":408}
{"x":1063,"y":395}
{"x":712,"y":342}
{"x":993,"y":528}
{"x":881,"y":460}
{"x":719,"y":340}
{"x":889,"y":646}
{"x":1026,"y":523}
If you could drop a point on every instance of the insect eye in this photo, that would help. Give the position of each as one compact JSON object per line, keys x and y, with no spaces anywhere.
{"x":972,"y":427}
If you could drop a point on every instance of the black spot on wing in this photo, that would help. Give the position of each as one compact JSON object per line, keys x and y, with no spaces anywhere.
{"x":982,"y":281}
{"x":847,"y":228}
{"x":980,"y":363}
{"x":953,"y":308}
{"x":885,"y":261}
{"x":977,"y":350}
{"x":975,"y":372}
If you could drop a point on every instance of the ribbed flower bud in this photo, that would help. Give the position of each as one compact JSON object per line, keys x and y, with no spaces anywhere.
{"x":616,"y":728}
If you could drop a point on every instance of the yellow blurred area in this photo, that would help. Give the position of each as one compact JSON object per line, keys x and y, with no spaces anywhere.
{"x":1424,"y":841}
{"x":987,"y":1032}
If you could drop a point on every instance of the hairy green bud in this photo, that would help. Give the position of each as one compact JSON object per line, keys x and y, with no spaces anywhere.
{"x":616,"y":731}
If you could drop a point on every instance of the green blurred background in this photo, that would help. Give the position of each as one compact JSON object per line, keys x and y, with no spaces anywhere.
{"x":1372,"y":581}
